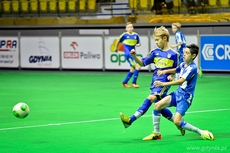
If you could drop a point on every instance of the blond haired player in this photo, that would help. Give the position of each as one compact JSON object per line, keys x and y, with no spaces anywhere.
{"x":163,"y":58}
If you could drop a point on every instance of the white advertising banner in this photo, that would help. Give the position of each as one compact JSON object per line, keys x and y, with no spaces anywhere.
{"x":82,"y":52}
{"x":9,"y":52}
{"x":40,"y":52}
{"x":190,"y":39}
{"x":117,"y":60}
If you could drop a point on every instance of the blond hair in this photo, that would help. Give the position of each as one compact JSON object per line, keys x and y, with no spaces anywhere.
{"x":177,"y":24}
{"x":128,"y":23}
{"x":161,"y":31}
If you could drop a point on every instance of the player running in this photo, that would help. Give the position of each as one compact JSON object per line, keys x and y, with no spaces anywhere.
{"x":130,"y":40}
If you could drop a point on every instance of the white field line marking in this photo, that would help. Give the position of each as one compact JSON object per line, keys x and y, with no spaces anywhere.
{"x":100,"y":120}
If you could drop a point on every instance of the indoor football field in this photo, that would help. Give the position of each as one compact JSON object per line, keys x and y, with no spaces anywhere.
{"x":78,"y":112}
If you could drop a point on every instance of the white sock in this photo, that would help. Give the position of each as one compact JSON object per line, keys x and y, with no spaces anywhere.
{"x":192,"y":128}
{"x":156,"y":123}
{"x":137,"y":114}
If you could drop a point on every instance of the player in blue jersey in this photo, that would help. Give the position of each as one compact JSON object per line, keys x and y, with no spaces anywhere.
{"x":164,"y":58}
{"x":181,"y":43}
{"x":180,"y":40}
{"x":181,"y":98}
{"x":130,"y":40}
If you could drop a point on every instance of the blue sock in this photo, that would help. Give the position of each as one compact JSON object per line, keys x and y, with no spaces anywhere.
{"x":129,"y":75}
{"x":142,"y":110}
{"x":166,"y":113}
{"x":145,"y":106}
{"x":182,"y":124}
{"x":132,"y":118}
{"x":136,"y":72}
{"x":156,"y":112}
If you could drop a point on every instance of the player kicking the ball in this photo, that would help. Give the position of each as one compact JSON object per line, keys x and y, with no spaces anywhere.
{"x":164,"y":58}
{"x":181,"y":98}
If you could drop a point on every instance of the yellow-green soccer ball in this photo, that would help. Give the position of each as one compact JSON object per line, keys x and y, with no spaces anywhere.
{"x":21,"y":110}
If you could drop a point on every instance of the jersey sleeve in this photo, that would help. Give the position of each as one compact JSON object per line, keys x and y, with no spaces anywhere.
{"x":189,"y":72}
{"x":121,"y":38}
{"x":178,"y":37}
{"x":149,"y":58}
{"x":138,"y":39}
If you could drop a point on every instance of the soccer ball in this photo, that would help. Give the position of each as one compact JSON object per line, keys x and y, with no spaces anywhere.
{"x":21,"y":110}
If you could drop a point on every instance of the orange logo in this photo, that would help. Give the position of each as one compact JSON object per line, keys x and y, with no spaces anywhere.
{"x":120,"y":46}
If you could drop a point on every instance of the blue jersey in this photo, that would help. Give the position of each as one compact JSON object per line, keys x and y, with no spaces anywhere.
{"x":129,"y":41}
{"x":183,"y":97}
{"x":189,"y":73}
{"x":179,"y":37}
{"x":162,"y":60}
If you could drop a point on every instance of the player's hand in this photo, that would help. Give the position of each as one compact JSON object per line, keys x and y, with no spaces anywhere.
{"x":170,"y":77}
{"x":133,"y":52}
{"x":158,"y":83}
{"x":138,"y":45}
{"x":159,"y":72}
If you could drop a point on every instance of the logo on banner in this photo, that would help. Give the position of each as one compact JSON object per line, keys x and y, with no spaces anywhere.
{"x":221,"y":52}
{"x":118,"y":58}
{"x":6,"y":59}
{"x":44,"y":56}
{"x":8,"y":45}
{"x":120,"y":46}
{"x":208,"y":52}
{"x":79,"y":54}
{"x":72,"y":54}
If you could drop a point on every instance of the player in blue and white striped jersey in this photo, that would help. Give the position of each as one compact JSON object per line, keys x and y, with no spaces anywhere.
{"x":181,"y":98}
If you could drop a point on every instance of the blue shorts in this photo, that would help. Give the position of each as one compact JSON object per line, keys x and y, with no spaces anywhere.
{"x":181,"y":100}
{"x":130,"y":60}
{"x":159,"y":91}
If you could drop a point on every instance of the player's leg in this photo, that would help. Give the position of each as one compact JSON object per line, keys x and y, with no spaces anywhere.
{"x":182,"y":107}
{"x":155,"y":135}
{"x":129,"y":74}
{"x":136,"y":72}
{"x":166,"y":113}
{"x":127,"y":121}
{"x":135,"y":76}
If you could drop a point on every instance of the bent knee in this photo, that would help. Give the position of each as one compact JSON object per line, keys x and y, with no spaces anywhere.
{"x":157,"y":106}
{"x":177,"y":122}
{"x":152,"y":98}
{"x":137,"y":67}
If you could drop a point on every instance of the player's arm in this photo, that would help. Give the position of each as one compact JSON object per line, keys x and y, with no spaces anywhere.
{"x":137,"y":59}
{"x":138,"y":45}
{"x":116,"y":45}
{"x":178,"y":44}
{"x":170,"y":77}
{"x":138,"y":42}
{"x":163,"y":72}
{"x":177,"y":82}
{"x":120,"y":39}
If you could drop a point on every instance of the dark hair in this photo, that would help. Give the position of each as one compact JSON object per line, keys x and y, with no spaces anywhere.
{"x":194,"y":49}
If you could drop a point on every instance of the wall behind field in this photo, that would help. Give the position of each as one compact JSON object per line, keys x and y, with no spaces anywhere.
{"x":115,"y":30}
{"x":110,"y":32}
